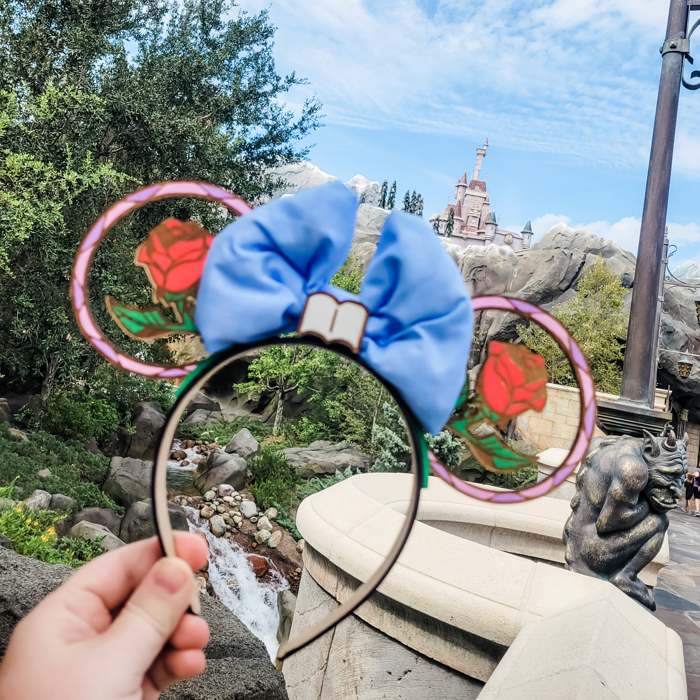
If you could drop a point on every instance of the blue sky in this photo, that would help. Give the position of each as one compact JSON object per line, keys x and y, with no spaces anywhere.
{"x":564,"y":89}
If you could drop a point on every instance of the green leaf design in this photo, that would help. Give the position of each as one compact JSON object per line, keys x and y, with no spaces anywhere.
{"x":147,"y":324}
{"x":491,"y":451}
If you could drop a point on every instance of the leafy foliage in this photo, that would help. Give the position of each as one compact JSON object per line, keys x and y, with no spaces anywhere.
{"x":309,"y":487}
{"x":596,"y":318}
{"x":34,"y":534}
{"x":350,"y":275}
{"x":273,"y":479}
{"x":75,"y":414}
{"x":223,"y":432}
{"x":285,"y":520}
{"x":271,"y":464}
{"x":75,"y":471}
{"x":448,"y":448}
{"x":391,"y":439}
{"x":101,"y":100}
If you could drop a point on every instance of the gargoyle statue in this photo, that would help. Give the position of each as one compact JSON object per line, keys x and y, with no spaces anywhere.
{"x":624,"y":490}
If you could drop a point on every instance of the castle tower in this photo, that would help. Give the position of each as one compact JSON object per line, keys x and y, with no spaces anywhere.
{"x":491,"y":226}
{"x":480,"y":154}
{"x":527,"y":235}
{"x":461,"y":188}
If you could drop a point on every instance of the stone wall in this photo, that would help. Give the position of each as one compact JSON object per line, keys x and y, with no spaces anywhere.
{"x":557,"y":424}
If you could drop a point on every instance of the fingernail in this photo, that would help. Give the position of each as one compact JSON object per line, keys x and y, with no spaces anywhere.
{"x":171,"y":576}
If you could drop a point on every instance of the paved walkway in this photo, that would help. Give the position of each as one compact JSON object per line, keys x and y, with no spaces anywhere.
{"x":678,"y":593}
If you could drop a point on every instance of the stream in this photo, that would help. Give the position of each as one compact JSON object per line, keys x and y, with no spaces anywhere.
{"x":235,"y":584}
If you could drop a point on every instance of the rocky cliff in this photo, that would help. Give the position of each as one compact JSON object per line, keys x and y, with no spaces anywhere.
{"x":546,"y":274}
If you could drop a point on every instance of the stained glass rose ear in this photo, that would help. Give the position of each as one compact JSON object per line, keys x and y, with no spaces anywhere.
{"x":511,"y":381}
{"x":172,"y":256}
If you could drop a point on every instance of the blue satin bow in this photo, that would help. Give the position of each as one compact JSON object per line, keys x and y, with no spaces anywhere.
{"x":262,"y":267}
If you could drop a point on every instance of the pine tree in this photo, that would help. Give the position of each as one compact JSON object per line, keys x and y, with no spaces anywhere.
{"x":406,"y":202}
{"x":436,"y":225}
{"x":382,"y":195}
{"x":392,"y":197}
{"x":450,"y":223}
{"x":419,"y":206}
{"x":412,"y":205}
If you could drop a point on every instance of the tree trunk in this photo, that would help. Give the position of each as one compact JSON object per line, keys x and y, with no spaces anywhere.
{"x":278,"y":413}
{"x":46,"y":387}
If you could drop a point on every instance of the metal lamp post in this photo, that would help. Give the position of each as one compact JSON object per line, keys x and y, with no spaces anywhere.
{"x":635,"y":407}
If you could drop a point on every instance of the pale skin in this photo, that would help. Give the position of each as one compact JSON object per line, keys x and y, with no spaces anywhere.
{"x":118,"y":629}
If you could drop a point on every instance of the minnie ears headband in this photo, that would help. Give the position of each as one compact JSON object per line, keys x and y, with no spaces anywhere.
{"x":269,"y":273}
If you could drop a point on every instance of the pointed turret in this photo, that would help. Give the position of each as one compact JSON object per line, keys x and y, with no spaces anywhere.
{"x":463,"y":181}
{"x":491,"y":226}
{"x":527,"y":234}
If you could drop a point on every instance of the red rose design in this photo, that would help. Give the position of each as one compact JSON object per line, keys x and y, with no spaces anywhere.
{"x":173,"y":256}
{"x":513,"y":380}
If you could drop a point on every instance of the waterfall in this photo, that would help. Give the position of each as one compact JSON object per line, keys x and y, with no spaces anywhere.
{"x":235,"y":584}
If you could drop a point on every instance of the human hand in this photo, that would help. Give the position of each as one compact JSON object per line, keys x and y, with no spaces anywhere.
{"x":116,"y":630}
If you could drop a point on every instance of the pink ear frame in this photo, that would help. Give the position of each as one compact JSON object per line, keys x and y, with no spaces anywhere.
{"x":588,"y":408}
{"x":86,"y":253}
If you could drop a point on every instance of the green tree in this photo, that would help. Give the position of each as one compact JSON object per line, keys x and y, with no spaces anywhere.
{"x":450,"y":225}
{"x":391,"y":202}
{"x":418,"y":206}
{"x":382,"y":195}
{"x":596,"y":318}
{"x":406,"y":202}
{"x":100,"y":99}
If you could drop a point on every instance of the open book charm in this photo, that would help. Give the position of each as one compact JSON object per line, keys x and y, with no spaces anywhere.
{"x":333,"y":321}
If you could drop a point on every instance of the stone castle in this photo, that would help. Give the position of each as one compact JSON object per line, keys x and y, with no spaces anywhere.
{"x":474,"y":222}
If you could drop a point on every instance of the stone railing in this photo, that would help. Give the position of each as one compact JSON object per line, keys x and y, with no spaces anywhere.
{"x":460,"y":609}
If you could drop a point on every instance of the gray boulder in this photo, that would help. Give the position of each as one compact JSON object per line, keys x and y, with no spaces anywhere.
{"x":91,"y":531}
{"x":6,"y":542}
{"x":238,"y":667}
{"x":60,"y":502}
{"x":369,"y":223}
{"x":129,"y":480}
{"x":243,"y":444}
{"x":39,"y":500}
{"x":322,"y":457}
{"x":100,"y":516}
{"x":201,"y":417}
{"x":138,"y":523}
{"x":221,"y":468}
{"x":202,"y":402}
{"x":147,"y":420}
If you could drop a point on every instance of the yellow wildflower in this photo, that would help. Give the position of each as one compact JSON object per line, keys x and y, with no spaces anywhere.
{"x":18,"y":509}
{"x":52,"y":531}
{"x":44,"y":538}
{"x":36,"y":522}
{"x":28,"y":521}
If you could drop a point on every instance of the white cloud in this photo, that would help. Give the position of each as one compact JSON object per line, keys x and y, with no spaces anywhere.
{"x":572,"y":77}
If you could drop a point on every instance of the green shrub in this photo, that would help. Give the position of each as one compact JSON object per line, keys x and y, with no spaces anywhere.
{"x":447,"y":447}
{"x":270,"y":491}
{"x":391,"y":438}
{"x":122,"y":390}
{"x":223,"y":432}
{"x":285,"y":520}
{"x":75,"y":471}
{"x":271,"y":464}
{"x":34,"y":534}
{"x":273,"y":478}
{"x":309,"y":487}
{"x":517,"y":480}
{"x":75,"y":414}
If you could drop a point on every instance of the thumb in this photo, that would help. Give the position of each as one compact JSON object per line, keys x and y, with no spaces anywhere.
{"x":152,"y":613}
